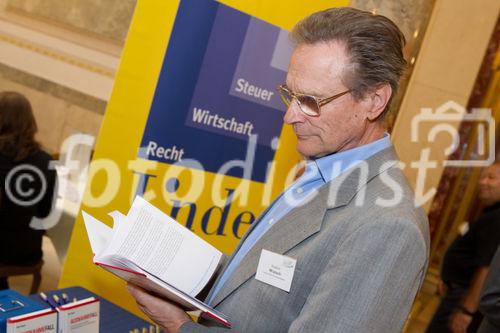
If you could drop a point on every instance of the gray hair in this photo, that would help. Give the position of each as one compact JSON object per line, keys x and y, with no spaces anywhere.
{"x":373,"y":42}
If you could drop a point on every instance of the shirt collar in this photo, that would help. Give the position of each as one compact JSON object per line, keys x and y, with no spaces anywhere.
{"x":331,"y":166}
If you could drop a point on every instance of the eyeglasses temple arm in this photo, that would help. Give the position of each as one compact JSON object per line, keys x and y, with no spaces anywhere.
{"x":324,"y":101}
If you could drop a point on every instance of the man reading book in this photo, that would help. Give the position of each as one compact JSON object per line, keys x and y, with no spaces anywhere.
{"x":344,"y":249}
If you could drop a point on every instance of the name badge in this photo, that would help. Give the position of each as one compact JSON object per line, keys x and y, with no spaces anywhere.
{"x":276,"y":270}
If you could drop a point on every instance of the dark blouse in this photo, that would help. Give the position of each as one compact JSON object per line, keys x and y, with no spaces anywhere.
{"x":27,"y":191}
{"x":473,"y":249}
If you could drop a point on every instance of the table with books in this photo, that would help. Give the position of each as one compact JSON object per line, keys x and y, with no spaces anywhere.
{"x":112,"y":317}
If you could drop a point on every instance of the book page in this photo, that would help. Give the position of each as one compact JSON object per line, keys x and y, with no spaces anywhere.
{"x":99,"y":234}
{"x":165,"y":249}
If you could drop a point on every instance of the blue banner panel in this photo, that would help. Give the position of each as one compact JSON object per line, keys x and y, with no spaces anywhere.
{"x":217,"y":89}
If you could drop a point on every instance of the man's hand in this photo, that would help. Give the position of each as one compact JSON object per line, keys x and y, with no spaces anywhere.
{"x":459,"y":322}
{"x":169,"y":316}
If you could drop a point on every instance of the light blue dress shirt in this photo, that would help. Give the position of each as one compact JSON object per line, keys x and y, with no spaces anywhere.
{"x":317,"y":173}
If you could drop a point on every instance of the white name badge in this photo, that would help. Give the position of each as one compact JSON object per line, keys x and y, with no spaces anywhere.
{"x":276,"y":270}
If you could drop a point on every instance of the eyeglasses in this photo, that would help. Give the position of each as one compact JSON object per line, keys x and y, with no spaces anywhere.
{"x":308,"y":104}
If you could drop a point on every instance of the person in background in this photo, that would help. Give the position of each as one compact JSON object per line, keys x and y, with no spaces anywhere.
{"x":27,"y":183}
{"x":490,"y":298}
{"x":466,"y":263}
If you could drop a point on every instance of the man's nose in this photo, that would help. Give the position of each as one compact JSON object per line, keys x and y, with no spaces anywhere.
{"x":293,"y":114}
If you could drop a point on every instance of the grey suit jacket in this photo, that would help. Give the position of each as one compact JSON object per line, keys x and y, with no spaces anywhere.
{"x":490,"y":298}
{"x":359,"y":266}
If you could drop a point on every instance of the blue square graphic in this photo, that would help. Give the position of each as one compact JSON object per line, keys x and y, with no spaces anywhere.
{"x":216,"y":89}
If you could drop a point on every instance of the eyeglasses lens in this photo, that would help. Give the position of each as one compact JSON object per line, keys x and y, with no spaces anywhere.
{"x":308,"y":105}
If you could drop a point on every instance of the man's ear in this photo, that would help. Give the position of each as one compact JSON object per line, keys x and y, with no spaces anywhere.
{"x":379,"y":98}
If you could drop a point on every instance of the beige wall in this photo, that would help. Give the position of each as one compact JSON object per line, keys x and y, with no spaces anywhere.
{"x":63,"y":57}
{"x":56,"y":118}
{"x":446,"y":68}
{"x":107,"y":19}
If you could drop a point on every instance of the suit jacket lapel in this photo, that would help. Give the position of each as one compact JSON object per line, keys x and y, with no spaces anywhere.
{"x":342,"y":189}
{"x":306,"y":220}
{"x":242,"y":240}
{"x":293,"y":228}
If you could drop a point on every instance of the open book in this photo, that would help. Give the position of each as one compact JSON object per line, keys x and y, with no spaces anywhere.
{"x":148,"y":248}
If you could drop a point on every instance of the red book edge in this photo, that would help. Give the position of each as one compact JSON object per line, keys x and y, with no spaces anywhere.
{"x":119,"y":268}
{"x":219,"y":319}
{"x":13,"y":321}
